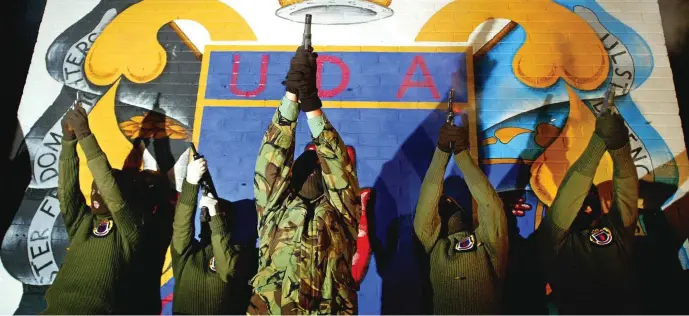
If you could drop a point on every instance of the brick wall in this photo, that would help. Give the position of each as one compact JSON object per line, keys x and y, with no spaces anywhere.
{"x":384,"y":84}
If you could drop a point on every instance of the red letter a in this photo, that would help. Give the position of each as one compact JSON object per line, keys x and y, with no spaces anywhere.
{"x":427,"y":79}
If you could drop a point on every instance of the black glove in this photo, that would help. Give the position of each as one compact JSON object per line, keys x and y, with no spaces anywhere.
{"x":462,"y":140}
{"x":610,"y":127}
{"x":302,"y":79}
{"x":67,"y":132}
{"x":78,"y":121}
{"x":450,"y":136}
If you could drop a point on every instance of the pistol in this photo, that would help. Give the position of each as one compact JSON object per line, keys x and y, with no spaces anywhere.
{"x":450,"y":118}
{"x":306,"y":40}
{"x":206,"y":181}
{"x":608,"y":99}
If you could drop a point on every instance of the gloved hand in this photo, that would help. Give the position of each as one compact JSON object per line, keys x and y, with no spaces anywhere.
{"x":453,"y":139}
{"x":302,"y":79}
{"x":67,"y":132}
{"x":195,"y":170}
{"x":462,"y":139}
{"x":610,"y":127}
{"x":210,"y":203}
{"x":78,"y":120}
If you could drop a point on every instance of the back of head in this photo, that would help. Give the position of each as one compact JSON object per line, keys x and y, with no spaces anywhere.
{"x":454,"y":217}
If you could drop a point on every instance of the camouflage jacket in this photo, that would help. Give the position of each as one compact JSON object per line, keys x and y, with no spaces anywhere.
{"x":305,"y":256}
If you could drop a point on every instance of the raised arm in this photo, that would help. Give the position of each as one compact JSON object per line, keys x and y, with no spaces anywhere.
{"x":427,"y":219}
{"x":625,"y":182}
{"x":276,"y":156}
{"x":624,"y":210}
{"x":492,"y":223}
{"x":570,"y":197}
{"x":338,"y":171}
{"x":626,"y":186}
{"x":183,"y":224}
{"x":127,"y":220}
{"x":225,"y":255}
{"x":72,"y":202}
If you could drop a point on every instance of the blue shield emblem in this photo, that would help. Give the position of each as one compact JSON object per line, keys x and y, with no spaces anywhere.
{"x":211,"y":264}
{"x":601,"y":237}
{"x":103,"y":228}
{"x":466,"y":244}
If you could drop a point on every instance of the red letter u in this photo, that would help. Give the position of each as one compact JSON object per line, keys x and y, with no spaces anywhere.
{"x":261,"y":83}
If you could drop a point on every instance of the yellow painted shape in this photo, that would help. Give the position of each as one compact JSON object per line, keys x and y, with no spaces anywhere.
{"x":167,"y":268}
{"x":506,"y":134}
{"x":549,"y":169}
{"x":129,"y":47}
{"x":559,"y":44}
{"x":489,"y":141}
{"x":116,"y":147}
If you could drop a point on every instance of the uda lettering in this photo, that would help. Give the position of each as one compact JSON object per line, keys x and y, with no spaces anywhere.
{"x":342,"y":76}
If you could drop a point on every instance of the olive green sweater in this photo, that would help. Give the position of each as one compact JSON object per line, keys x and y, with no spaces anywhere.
{"x":585,"y":277}
{"x":89,"y":280}
{"x":198,"y":289}
{"x":463,"y":282}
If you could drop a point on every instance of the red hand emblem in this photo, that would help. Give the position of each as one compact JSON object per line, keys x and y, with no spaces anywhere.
{"x":520,"y":207}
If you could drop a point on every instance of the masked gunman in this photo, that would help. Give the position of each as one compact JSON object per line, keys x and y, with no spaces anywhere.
{"x":308,"y":209}
{"x":467,"y":265}
{"x":588,"y":255}
{"x":103,"y":240}
{"x":203,"y":269}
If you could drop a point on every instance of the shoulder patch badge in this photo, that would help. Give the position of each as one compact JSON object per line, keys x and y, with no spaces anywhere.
{"x":211,"y":264}
{"x":601,"y":237}
{"x":103,"y":228}
{"x":466,"y":244}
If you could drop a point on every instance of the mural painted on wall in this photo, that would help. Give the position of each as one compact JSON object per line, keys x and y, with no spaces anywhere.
{"x":531,"y":91}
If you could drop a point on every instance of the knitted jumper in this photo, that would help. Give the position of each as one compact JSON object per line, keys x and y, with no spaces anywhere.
{"x":100,"y":252}
{"x":464,"y":280}
{"x":203,"y":272}
{"x":587,"y":277}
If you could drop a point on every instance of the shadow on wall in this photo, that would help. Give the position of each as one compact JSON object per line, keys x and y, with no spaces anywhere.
{"x":243,"y":222}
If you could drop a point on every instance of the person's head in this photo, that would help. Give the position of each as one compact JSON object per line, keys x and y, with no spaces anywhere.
{"x":307,"y":179}
{"x":224,"y":209}
{"x":98,"y":205}
{"x":454,"y":217}
{"x":142,"y":189}
{"x":590,"y":212}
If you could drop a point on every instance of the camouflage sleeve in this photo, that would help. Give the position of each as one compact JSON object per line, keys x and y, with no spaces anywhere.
{"x":226,"y":256}
{"x":492,"y":223}
{"x":569,"y":199}
{"x":338,"y":173}
{"x":426,"y":218}
{"x":275,"y":158}
{"x":127,"y":219}
{"x":183,"y":224}
{"x":72,"y":202}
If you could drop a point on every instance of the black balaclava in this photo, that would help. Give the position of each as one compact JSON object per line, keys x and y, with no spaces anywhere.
{"x":98,"y":206}
{"x":224,"y":208}
{"x":584,"y":220}
{"x":453,"y":216}
{"x":205,"y":233}
{"x":307,"y":179}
